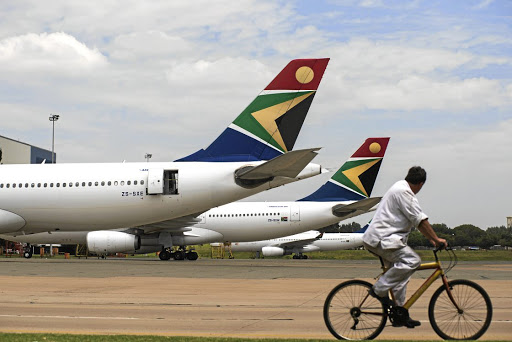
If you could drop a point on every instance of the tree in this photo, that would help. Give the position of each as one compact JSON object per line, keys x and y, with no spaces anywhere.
{"x":349,"y":228}
{"x":467,"y":235}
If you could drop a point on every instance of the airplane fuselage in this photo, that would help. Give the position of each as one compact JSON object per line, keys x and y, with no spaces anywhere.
{"x":86,"y":197}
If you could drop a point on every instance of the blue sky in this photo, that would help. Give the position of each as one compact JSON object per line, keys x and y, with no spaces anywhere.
{"x":166,"y":77}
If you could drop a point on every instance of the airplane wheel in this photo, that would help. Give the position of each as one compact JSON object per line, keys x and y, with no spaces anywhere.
{"x":295,"y":257}
{"x":192,"y":256}
{"x":27,"y":254}
{"x":164,"y":255}
{"x":179,"y":255}
{"x":304,"y":257}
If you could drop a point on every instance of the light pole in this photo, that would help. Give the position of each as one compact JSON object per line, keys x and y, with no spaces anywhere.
{"x":53,"y":118}
{"x":148,"y":156}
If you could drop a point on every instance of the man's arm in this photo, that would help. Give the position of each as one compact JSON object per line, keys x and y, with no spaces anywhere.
{"x":426,"y":229}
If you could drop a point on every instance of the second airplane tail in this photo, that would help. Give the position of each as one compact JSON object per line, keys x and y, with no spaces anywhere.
{"x":354,"y":181}
{"x":270,"y":125}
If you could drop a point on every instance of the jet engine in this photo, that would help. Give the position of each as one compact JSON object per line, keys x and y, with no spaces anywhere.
{"x":107,"y":242}
{"x":272,"y":251}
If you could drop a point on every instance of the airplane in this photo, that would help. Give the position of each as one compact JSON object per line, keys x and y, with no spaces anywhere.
{"x":310,"y":241}
{"x":253,"y":154}
{"x":345,"y":195}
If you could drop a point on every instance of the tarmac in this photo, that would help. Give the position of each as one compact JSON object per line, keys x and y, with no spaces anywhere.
{"x":263,"y":298}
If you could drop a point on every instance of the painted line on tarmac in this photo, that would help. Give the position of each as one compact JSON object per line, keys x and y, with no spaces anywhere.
{"x":72,"y":317}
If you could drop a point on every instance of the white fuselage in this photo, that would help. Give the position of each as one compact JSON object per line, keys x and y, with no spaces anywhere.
{"x":87,"y":197}
{"x":292,"y":244}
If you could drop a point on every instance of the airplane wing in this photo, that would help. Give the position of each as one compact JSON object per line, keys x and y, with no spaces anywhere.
{"x":299,"y":242}
{"x":176,"y":225}
{"x":286,"y":165}
{"x":362,"y":206}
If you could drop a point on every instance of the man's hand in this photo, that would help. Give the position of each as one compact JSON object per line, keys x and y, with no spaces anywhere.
{"x":439,"y":242}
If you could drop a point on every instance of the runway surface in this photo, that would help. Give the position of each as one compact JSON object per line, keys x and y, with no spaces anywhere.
{"x":242,"y":298}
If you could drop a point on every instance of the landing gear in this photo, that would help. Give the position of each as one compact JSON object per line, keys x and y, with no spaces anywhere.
{"x":299,"y":256}
{"x":28,"y":251}
{"x":164,"y":254}
{"x":179,"y":254}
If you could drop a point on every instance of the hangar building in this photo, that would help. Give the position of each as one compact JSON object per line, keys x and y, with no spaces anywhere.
{"x":17,"y":152}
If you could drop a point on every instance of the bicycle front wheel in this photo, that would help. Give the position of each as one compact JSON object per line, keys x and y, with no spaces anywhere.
{"x":467,"y":322}
{"x":350,"y":313}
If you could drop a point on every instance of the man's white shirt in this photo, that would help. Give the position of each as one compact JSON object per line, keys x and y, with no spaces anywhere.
{"x":397,"y":214}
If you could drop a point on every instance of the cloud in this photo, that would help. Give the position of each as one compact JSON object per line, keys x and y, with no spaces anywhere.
{"x":56,"y":52}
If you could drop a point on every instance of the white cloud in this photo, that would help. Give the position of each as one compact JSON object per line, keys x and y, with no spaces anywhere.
{"x":48,"y":52}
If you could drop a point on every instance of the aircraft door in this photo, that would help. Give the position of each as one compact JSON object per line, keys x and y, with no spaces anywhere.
{"x":294,"y":212}
{"x":155,"y":181}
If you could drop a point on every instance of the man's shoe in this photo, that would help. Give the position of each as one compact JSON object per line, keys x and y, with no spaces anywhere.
{"x":410,"y":323}
{"x":384,"y":300}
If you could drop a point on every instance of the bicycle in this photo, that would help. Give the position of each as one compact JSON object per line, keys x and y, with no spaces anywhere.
{"x":459,"y":309}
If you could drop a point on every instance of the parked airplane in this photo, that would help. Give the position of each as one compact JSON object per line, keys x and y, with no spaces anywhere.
{"x":311,"y":241}
{"x":344,"y":196}
{"x":251,"y":155}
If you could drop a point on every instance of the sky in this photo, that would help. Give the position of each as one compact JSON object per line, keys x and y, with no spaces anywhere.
{"x":166,"y":77}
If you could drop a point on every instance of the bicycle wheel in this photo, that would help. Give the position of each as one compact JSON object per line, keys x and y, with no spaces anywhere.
{"x":474,"y":316}
{"x":350,"y":313}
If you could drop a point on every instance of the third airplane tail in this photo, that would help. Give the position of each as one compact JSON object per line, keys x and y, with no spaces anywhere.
{"x":269,"y":126}
{"x":354,"y":181}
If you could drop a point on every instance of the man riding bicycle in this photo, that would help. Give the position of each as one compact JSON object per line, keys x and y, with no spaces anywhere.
{"x":397,"y":214}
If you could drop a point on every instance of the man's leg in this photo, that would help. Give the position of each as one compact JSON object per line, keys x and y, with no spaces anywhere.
{"x":404,"y":261}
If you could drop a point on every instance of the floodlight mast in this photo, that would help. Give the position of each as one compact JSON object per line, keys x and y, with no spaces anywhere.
{"x":53,"y":118}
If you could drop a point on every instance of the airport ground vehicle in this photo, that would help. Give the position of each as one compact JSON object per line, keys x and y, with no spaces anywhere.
{"x":458,"y":310}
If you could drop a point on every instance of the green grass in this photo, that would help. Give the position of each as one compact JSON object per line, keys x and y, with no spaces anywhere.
{"x":11,"y":337}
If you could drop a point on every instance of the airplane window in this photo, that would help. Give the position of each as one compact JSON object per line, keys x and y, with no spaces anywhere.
{"x":77,"y":184}
{"x":109,"y":183}
{"x":134,"y":182}
{"x":70,"y":184}
{"x":122,"y":182}
{"x":38,"y":185}
{"x":90,"y":183}
{"x":1,"y":185}
{"x":26,"y":185}
{"x":63,"y":185}
{"x":115,"y":183}
{"x":20,"y":185}
{"x":58,"y":185}
{"x":129,"y":183}
{"x":102,"y":183}
{"x":7,"y":185}
{"x":95,"y":183}
{"x":51,"y":185}
{"x":83,"y":183}
{"x":45,"y":185}
{"x":32,"y":185}
{"x":142,"y":182}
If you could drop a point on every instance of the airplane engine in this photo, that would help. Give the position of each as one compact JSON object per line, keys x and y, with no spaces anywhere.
{"x":106,"y":242}
{"x":272,"y":251}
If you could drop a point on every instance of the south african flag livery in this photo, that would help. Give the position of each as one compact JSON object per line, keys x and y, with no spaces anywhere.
{"x":355,"y":179}
{"x":270,"y":125}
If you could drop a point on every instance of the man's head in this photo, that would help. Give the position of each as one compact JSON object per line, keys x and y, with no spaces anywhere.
{"x":416,"y":177}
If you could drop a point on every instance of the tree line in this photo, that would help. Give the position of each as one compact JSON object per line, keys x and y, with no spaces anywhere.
{"x":463,"y":235}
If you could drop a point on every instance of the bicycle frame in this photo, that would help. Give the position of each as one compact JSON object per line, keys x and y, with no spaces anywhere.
{"x":438,"y":272}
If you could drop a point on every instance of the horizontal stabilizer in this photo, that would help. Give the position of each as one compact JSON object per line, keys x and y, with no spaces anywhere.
{"x":286,"y":165}
{"x":363,"y":206}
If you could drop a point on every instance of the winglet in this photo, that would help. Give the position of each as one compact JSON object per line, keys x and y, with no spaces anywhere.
{"x":270,"y":125}
{"x":355,"y":179}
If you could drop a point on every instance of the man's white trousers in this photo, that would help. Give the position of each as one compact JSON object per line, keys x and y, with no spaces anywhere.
{"x":402,"y":262}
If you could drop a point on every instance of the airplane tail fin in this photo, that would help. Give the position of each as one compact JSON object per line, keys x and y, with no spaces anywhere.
{"x":269,"y":126}
{"x":354,"y":181}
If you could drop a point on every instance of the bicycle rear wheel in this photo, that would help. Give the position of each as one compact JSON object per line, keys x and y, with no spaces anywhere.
{"x":350,"y":313}
{"x":468,"y":323}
